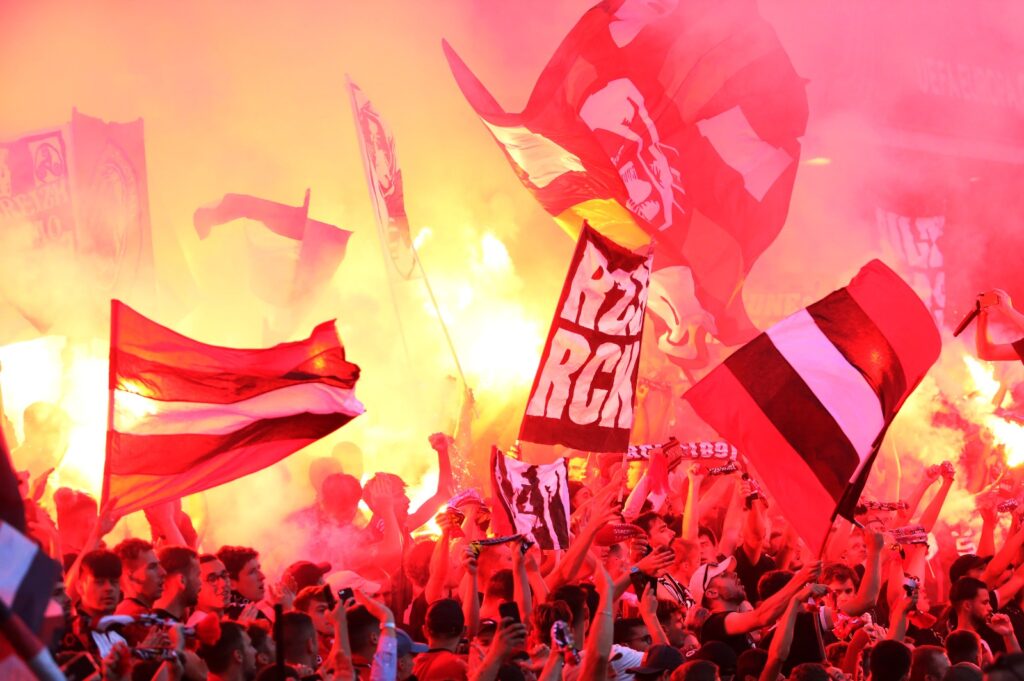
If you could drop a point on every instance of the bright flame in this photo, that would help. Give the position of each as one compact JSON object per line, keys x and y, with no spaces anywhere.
{"x":1006,"y":433}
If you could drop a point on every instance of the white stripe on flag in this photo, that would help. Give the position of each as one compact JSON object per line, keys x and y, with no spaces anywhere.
{"x":17,"y":552}
{"x":140,"y":415}
{"x":833,"y":380}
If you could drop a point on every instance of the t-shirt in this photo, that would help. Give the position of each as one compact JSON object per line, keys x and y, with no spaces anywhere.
{"x":440,"y":665}
{"x":750,"y":573}
{"x":714,"y":630}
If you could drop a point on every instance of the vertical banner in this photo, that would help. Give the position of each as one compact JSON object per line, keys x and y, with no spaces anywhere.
{"x":583,"y":394}
{"x":112,"y":203}
{"x":385,"y":179}
{"x":915,"y":242}
{"x":534,"y":498}
{"x":35,"y":188}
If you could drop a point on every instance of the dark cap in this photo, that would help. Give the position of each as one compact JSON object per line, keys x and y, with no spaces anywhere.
{"x":964,"y":564}
{"x":406,"y":646}
{"x":306,"y":573}
{"x":721,"y":654}
{"x":445,"y":618}
{"x":659,"y":658}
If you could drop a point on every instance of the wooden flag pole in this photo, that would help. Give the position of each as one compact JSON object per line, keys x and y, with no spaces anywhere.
{"x":440,"y":318}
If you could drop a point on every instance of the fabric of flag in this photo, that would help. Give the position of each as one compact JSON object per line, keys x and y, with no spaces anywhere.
{"x":27,"y":576}
{"x":187,"y":416}
{"x":585,"y":388}
{"x":12,"y":507}
{"x":809,"y":400}
{"x":1018,"y":346}
{"x":291,"y":278}
{"x":380,"y":160}
{"x":678,"y":122}
{"x":534,"y":499}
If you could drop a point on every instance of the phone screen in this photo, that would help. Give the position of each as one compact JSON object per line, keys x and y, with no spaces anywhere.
{"x":509,"y":609}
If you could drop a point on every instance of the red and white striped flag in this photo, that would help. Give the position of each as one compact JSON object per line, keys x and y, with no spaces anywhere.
{"x":809,"y":400}
{"x":186,"y":416}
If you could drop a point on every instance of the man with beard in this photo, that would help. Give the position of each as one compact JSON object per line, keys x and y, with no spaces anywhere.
{"x":724,"y":597}
{"x":971,"y":601}
{"x":181,"y":588}
{"x":142,"y":577}
{"x":233,"y":657}
{"x":214,"y":589}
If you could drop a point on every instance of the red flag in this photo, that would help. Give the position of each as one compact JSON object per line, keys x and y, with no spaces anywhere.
{"x":186,"y":416}
{"x":583,"y":394}
{"x":677,"y":122}
{"x":809,"y":400}
{"x":294,"y":281}
{"x":380,"y":160}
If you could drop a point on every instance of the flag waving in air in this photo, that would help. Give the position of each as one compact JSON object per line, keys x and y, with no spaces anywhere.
{"x":186,"y":416}
{"x":534,"y":499}
{"x":809,"y":400}
{"x":674,"y":122}
{"x":380,"y":160}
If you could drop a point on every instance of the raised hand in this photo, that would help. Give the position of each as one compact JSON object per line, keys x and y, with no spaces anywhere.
{"x":511,"y":636}
{"x":376,"y":608}
{"x":656,"y":561}
{"x":440,"y":442}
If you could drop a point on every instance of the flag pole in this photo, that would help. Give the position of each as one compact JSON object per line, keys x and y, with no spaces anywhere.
{"x":440,"y":318}
{"x":111,"y":385}
{"x":379,"y":218}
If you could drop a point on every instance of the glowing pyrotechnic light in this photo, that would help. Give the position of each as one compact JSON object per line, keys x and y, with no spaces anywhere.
{"x":984,"y":388}
{"x":421,"y":237}
{"x":818,"y":161}
{"x":495,"y":255}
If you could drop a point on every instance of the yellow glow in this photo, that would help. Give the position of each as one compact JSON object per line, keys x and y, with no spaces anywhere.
{"x":818,"y":161}
{"x":982,"y":388}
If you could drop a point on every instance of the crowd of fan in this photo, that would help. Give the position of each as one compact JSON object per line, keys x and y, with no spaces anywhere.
{"x":702,"y":584}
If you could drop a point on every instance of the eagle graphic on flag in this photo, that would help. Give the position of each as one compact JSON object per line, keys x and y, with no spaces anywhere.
{"x":674,"y":122}
{"x":809,"y":400}
{"x":187,"y":416}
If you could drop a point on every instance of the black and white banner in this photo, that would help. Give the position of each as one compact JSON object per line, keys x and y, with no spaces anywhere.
{"x":535,"y":498}
{"x":583,"y":393}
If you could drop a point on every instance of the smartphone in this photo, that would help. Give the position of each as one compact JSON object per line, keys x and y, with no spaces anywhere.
{"x":640,"y":580}
{"x":509,"y":609}
{"x":345,"y":594}
{"x":80,"y":667}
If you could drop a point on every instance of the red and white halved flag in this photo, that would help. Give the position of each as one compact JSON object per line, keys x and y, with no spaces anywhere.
{"x":809,"y":400}
{"x":186,"y":416}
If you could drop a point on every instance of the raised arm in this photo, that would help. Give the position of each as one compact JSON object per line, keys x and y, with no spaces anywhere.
{"x":782,"y":641}
{"x":577,"y":553}
{"x":439,"y":559}
{"x":521,"y":583}
{"x":755,"y":525}
{"x":931,"y":474}
{"x":598,"y":646}
{"x":772,"y":607}
{"x":871,"y":584}
{"x":934,"y":507}
{"x":445,"y":483}
{"x":691,"y":521}
{"x":987,"y":350}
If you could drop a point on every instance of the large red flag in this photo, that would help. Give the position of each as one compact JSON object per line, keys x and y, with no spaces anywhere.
{"x":809,"y":400}
{"x":677,"y":122}
{"x":186,"y":416}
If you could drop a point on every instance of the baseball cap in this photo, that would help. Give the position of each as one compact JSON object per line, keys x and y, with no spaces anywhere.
{"x":659,"y":658}
{"x":406,"y":646}
{"x":721,"y":654}
{"x":444,"y":617}
{"x":703,"y":575}
{"x":305,"y":573}
{"x":964,"y":564}
{"x":352,"y":580}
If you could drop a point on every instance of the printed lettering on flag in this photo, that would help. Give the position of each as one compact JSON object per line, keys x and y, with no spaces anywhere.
{"x":534,"y":497}
{"x":700,"y":449}
{"x":809,"y":400}
{"x":675,"y":122}
{"x":187,"y":416}
{"x":35,"y":187}
{"x":584,"y":391}
{"x":380,"y":160}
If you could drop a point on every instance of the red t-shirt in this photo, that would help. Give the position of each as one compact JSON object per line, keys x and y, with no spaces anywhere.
{"x":440,"y":665}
